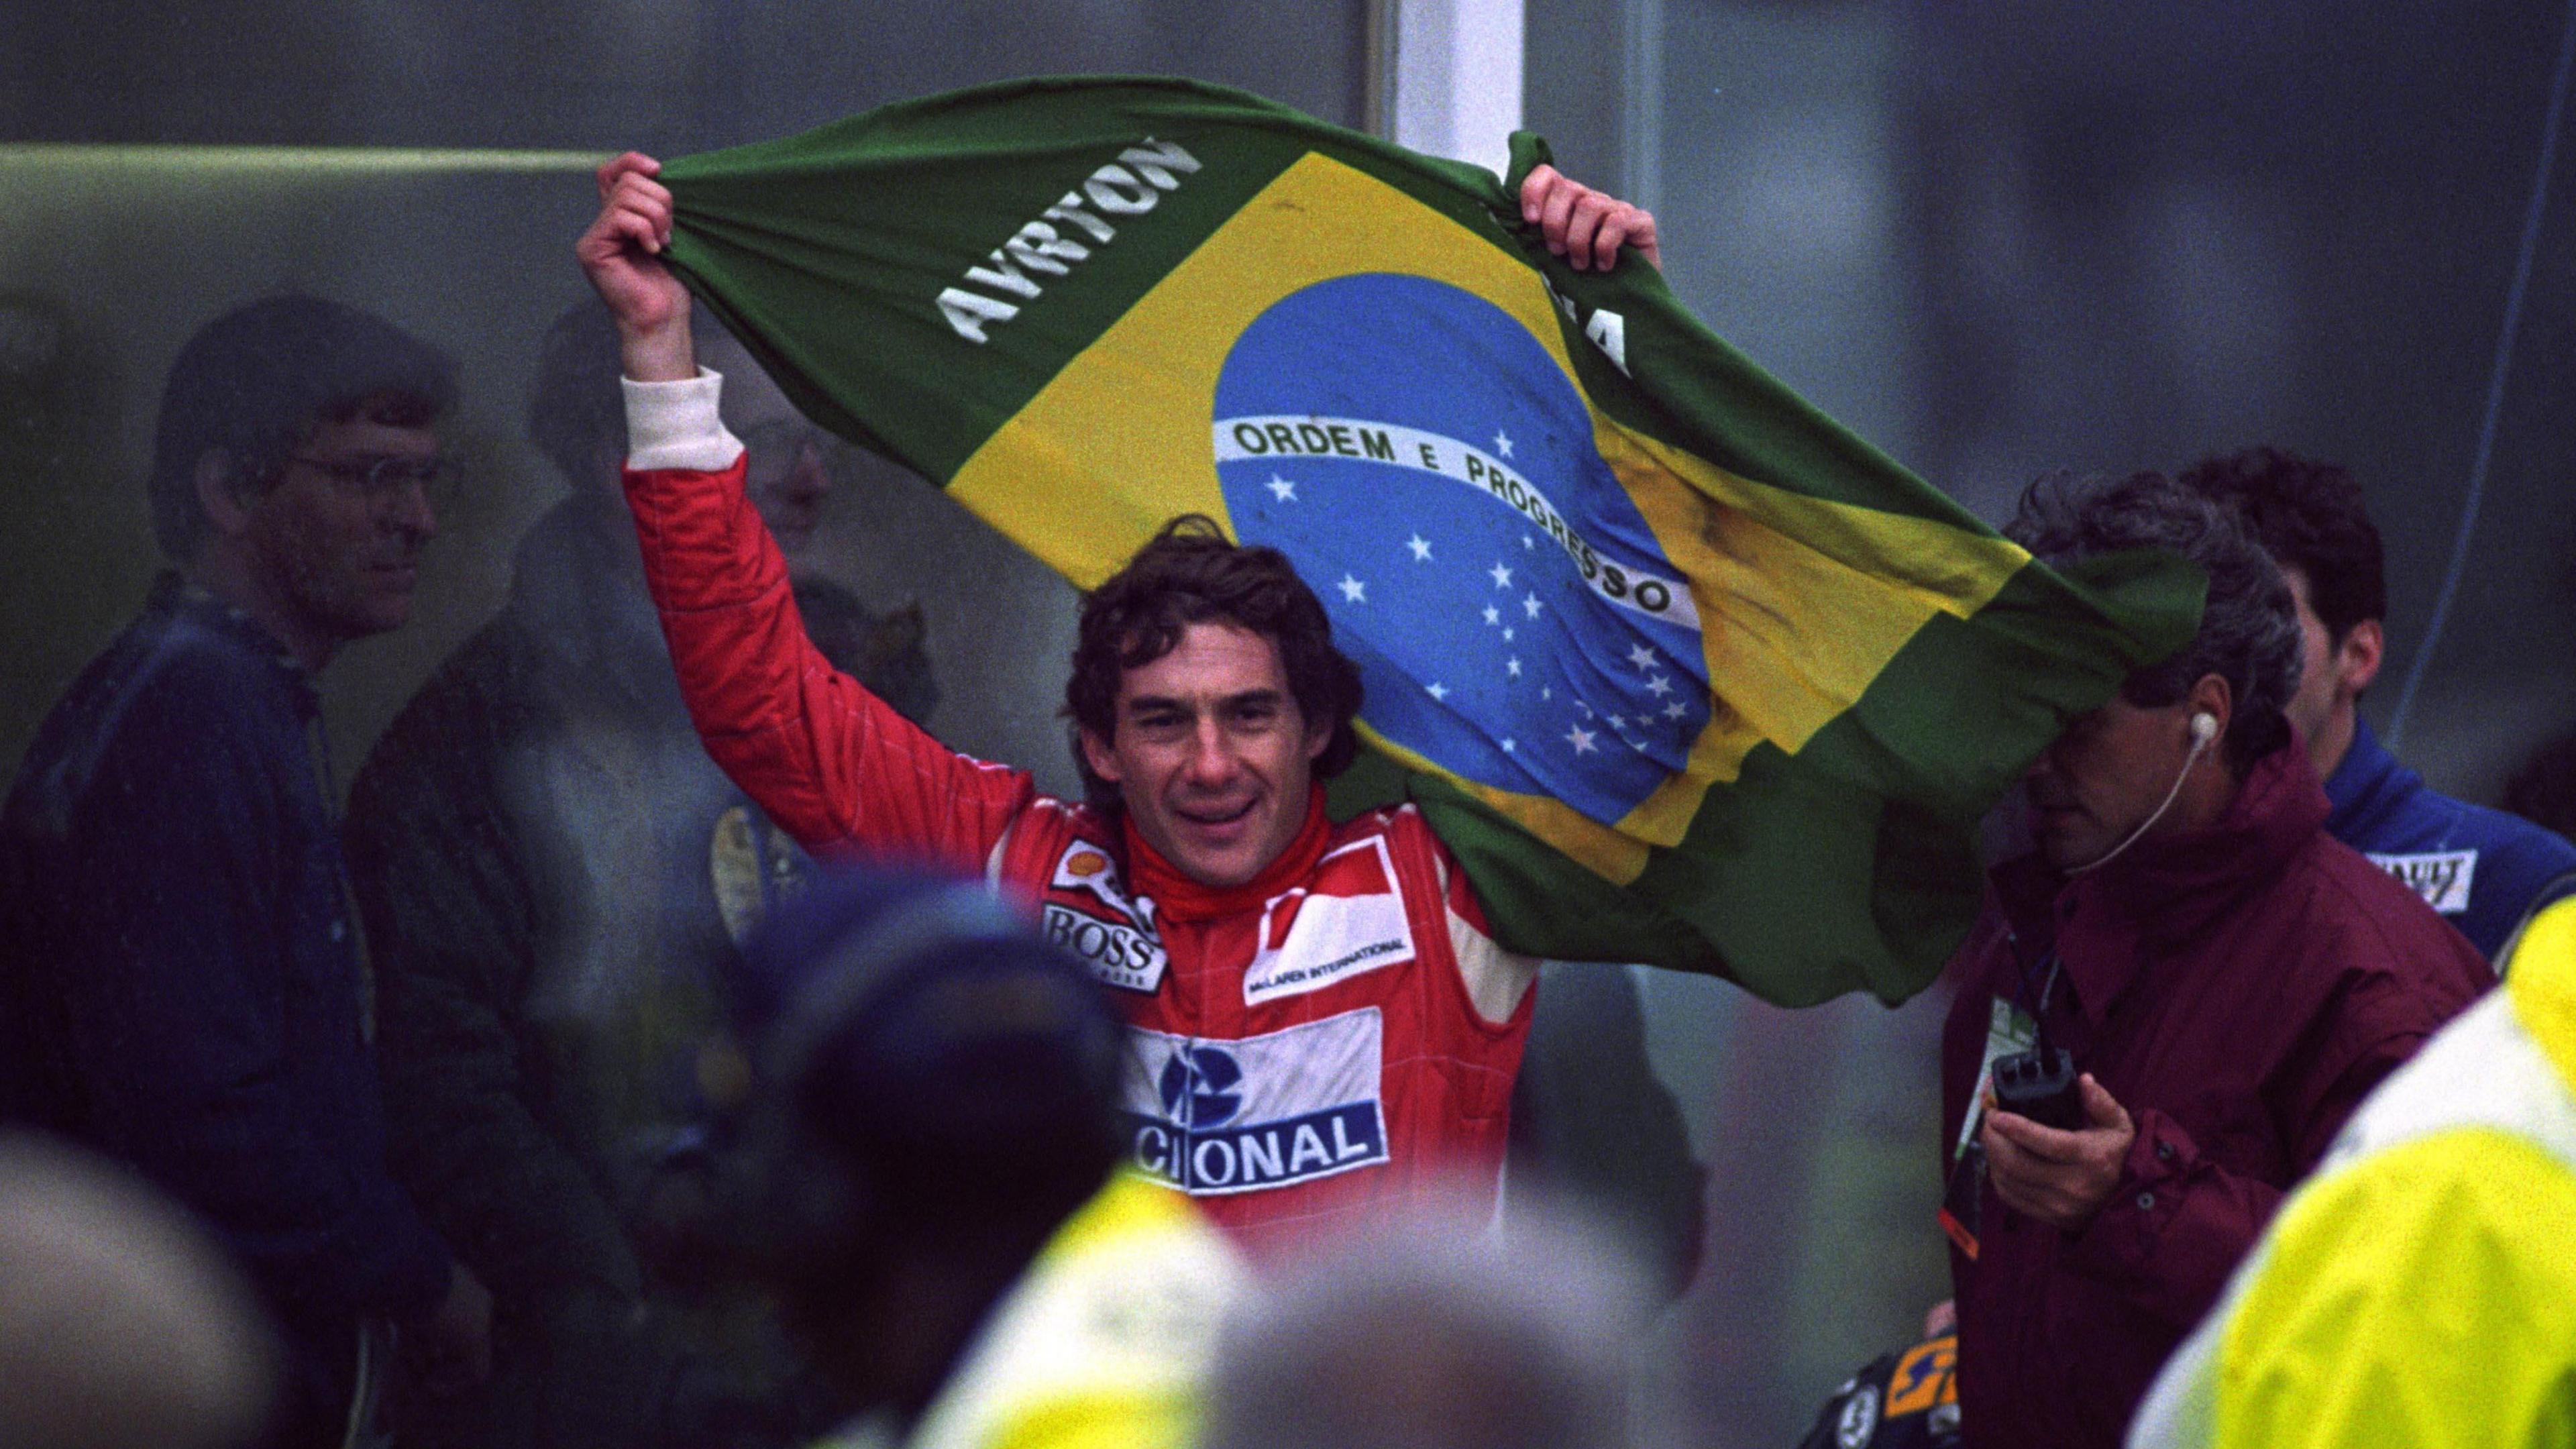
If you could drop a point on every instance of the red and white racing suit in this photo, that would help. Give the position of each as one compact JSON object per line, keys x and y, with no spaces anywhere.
{"x":1306,"y":1045}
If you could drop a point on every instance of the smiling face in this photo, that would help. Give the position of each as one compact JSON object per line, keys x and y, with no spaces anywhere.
{"x":338,"y":553}
{"x":1211,"y":755}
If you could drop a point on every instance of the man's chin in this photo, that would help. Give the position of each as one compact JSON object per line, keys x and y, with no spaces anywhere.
{"x":1220,"y":866}
{"x":2068,"y":855}
{"x":2062,"y":847}
{"x":380,"y":615}
{"x":1220,"y":856}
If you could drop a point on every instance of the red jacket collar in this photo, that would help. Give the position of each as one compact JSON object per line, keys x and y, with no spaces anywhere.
{"x":1178,"y":897}
{"x":2168,"y":889}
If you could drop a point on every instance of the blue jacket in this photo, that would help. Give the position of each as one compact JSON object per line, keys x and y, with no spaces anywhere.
{"x":185,"y":987}
{"x":2482,"y":869}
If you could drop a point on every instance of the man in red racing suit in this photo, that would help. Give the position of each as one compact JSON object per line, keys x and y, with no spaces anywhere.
{"x":1318,"y":1019}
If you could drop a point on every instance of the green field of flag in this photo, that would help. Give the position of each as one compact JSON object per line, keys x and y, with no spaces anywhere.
{"x":1682,"y":670}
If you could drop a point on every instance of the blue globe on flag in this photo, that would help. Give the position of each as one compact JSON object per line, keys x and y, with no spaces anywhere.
{"x":1430,"y":471}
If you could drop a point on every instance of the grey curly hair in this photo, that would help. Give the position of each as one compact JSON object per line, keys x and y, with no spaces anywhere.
{"x":2249,"y":626}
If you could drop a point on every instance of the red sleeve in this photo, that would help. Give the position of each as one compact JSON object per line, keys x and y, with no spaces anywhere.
{"x":828,"y":761}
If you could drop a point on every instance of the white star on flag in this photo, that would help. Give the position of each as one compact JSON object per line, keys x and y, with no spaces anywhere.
{"x":1493,"y":615}
{"x":1437,"y":690}
{"x":1674,"y":710}
{"x":1659,"y":686}
{"x":1528,"y":542}
{"x":1502,"y":576}
{"x":1530,"y":603}
{"x":1282,"y":489}
{"x":1581,"y":739}
{"x":1508,"y":747}
{"x":1642,"y":657}
{"x":1502,"y":442}
{"x":1353,"y":590}
{"x":1513,"y":665}
{"x":1421,"y":548}
{"x":1616,"y":722}
{"x":1507,"y":636}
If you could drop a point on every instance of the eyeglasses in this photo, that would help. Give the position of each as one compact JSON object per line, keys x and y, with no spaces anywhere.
{"x":382,"y":478}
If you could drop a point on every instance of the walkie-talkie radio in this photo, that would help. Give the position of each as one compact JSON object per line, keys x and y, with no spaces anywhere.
{"x":2040,"y":1084}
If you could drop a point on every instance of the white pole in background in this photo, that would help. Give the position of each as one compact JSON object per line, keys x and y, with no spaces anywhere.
{"x":1641,"y":111}
{"x":1458,"y":78}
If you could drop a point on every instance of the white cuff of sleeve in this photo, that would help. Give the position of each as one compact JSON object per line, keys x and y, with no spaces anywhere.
{"x":674,"y":425}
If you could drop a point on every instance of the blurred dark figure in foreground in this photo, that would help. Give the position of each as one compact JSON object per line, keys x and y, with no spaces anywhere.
{"x":190,"y":991}
{"x":921,"y":1166}
{"x":550,"y":866}
{"x":1437,"y":1330}
{"x":2483,"y":870}
{"x":121,"y":1326}
{"x":2228,"y":980}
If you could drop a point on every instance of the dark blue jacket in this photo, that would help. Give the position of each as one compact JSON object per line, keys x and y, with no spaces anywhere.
{"x":2482,"y":869}
{"x":184,"y":987}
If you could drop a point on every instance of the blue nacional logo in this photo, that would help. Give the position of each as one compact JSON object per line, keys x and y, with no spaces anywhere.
{"x":1260,"y":1112}
{"x":1430,"y":470}
{"x":1198,"y":1087}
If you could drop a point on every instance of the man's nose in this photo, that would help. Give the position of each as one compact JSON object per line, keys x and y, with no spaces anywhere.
{"x":1212,"y":759}
{"x":408,"y":509}
{"x":811,"y":474}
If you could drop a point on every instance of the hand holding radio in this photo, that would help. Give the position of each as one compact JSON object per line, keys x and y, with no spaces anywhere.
{"x":2061,"y":1177}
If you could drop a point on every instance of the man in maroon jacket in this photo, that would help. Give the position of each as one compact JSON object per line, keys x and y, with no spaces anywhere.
{"x":2229,"y":980}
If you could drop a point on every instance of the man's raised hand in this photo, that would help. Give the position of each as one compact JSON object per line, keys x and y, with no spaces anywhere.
{"x":1584,"y":226}
{"x":621,"y":253}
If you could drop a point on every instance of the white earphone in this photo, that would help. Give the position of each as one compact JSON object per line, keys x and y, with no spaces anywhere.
{"x":2204,"y":728}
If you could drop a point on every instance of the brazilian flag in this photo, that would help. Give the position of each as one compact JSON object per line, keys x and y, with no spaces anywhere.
{"x":1684,"y":672}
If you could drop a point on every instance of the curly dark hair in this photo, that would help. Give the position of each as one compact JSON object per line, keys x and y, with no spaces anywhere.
{"x":2308,"y":515}
{"x":2249,"y":625}
{"x":1190,"y":573}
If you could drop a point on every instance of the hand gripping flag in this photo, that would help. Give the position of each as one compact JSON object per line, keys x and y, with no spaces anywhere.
{"x":1681,"y":670}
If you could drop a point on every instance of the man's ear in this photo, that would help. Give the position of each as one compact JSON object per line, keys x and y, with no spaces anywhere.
{"x":1096,"y":753}
{"x":1318,"y":739}
{"x":2358,"y":655}
{"x":2210,"y":695}
{"x":221,"y":493}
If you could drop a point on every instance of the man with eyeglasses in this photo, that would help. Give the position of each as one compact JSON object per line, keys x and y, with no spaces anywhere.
{"x":189,"y":991}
